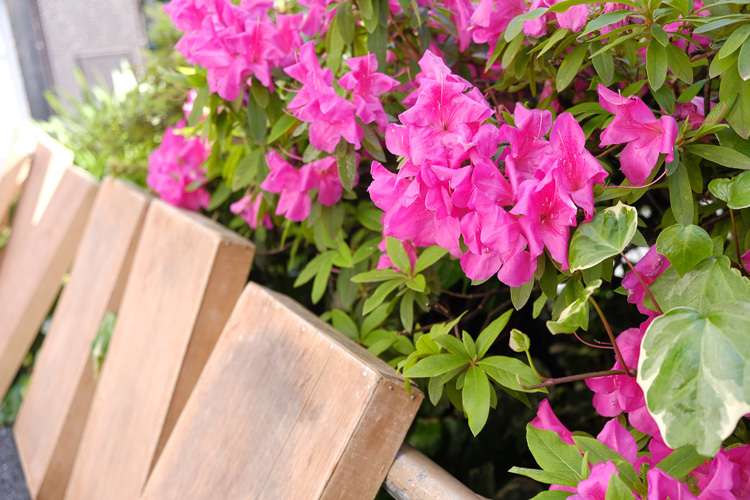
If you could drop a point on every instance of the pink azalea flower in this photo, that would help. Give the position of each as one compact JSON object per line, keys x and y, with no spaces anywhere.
{"x":491,"y":18}
{"x":573,"y":19}
{"x":546,"y":218}
{"x":662,"y":486}
{"x":615,"y":394}
{"x":650,"y":267}
{"x":746,"y":259}
{"x":175,"y":166}
{"x":323,"y":174}
{"x":294,"y":202}
{"x":617,"y":437}
{"x":646,"y":137}
{"x":384,"y":262}
{"x":367,"y":85}
{"x":548,"y":421}
{"x":248,"y":207}
{"x":330,"y":116}
{"x":594,"y":487}
{"x":527,"y":143}
{"x":728,"y":471}
{"x":575,"y":169}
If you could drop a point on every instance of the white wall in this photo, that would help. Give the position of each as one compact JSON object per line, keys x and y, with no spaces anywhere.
{"x":14,"y":107}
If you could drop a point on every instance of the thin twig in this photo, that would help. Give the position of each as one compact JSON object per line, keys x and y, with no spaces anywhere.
{"x":618,"y":354}
{"x":643,"y":283}
{"x":575,"y":378}
{"x":276,"y":250}
{"x":608,"y":150}
{"x":704,"y":55}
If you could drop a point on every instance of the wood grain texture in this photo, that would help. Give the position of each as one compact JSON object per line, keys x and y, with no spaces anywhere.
{"x":170,"y":297}
{"x":51,"y":419}
{"x":48,"y":223}
{"x":413,"y":476}
{"x":286,"y":408}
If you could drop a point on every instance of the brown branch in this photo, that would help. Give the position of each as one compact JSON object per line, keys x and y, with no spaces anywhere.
{"x":703,"y":55}
{"x":608,"y":150}
{"x":611,"y":337}
{"x":575,"y":378}
{"x":276,"y":250}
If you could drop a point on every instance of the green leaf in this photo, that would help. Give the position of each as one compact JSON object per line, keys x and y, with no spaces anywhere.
{"x":681,"y":462}
{"x":452,"y":345}
{"x":547,"y":478}
{"x":312,"y":268}
{"x":697,"y":398}
{"x":200,"y":102}
{"x":380,"y":294}
{"x":604,"y":65}
{"x":374,"y":319}
{"x":435,"y":365}
{"x":617,"y":490}
{"x":554,"y":456}
{"x":345,"y":324}
{"x":599,"y":452}
{"x":606,"y":20}
{"x":739,"y":114}
{"x":656,"y":64}
{"x":345,"y":21}
{"x":711,"y":283}
{"x":519,"y":341}
{"x":552,"y":494}
{"x":371,"y":142}
{"x":508,"y":371}
{"x":570,"y":66}
{"x":658,"y":33}
{"x":739,"y":192}
{"x":281,"y":127}
{"x":721,"y":155}
{"x":376,"y":275}
{"x":519,"y":295}
{"x":476,"y":398}
{"x":377,"y":42}
{"x":681,"y":196}
{"x":516,"y":24}
{"x":347,"y":163}
{"x":417,"y":283}
{"x":684,"y":246}
{"x":606,"y":235}
{"x":406,"y":310}
{"x":490,"y":334}
{"x":398,"y":255}
{"x":428,"y":257}
{"x":719,"y":66}
{"x":320,"y":283}
{"x":247,"y":170}
{"x":576,"y":315}
{"x":735,"y":41}
{"x":366,"y":9}
{"x":256,"y":121}
{"x":743,"y":61}
{"x":721,"y":188}
{"x":679,"y":63}
{"x":691,"y":91}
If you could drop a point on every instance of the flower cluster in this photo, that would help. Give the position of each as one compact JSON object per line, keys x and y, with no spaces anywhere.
{"x":234,"y":42}
{"x":248,"y":207}
{"x":174,"y":170}
{"x":294,"y":185}
{"x":330,"y":115}
{"x":450,"y":191}
{"x":725,"y":477}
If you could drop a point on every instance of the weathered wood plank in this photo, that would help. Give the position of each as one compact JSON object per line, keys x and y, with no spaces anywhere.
{"x":187,"y":273}
{"x":413,"y":476}
{"x":49,"y":219}
{"x":286,"y":407}
{"x":54,"y":410}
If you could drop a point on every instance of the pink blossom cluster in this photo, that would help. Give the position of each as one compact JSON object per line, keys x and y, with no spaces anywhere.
{"x":636,"y":126}
{"x":174,"y":170}
{"x":234,"y":42}
{"x":331,"y":116}
{"x":450,"y":191}
{"x":725,"y":477}
{"x":295,"y":185}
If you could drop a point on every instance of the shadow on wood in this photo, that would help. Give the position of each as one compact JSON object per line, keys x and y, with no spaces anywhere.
{"x":51,"y":419}
{"x":286,"y":408}
{"x":186,"y":276}
{"x":49,"y":220}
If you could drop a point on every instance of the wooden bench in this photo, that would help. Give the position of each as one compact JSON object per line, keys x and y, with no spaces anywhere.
{"x":286,"y":406}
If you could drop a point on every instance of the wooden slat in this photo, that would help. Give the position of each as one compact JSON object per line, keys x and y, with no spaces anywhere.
{"x":286,"y":408}
{"x":187,"y":273}
{"x":15,"y":170}
{"x":413,"y":476}
{"x":51,"y":419}
{"x":48,"y":222}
